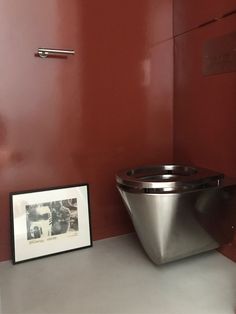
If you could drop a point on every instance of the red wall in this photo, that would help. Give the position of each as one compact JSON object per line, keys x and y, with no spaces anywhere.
{"x":205,"y":106}
{"x":111,"y":106}
{"x":80,"y":120}
{"x":189,"y":15}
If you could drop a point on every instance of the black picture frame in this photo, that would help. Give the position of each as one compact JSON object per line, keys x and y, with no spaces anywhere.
{"x":46,"y":222}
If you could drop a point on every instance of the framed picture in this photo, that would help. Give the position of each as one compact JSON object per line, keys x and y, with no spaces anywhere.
{"x":52,"y":221}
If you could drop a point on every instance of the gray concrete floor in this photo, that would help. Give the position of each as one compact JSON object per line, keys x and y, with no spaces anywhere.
{"x":115,"y":276}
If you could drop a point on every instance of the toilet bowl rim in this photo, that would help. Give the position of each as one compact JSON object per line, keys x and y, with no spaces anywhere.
{"x":198,"y":176}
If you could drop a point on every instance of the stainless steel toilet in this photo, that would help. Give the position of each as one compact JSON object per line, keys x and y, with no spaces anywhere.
{"x":177,"y":210}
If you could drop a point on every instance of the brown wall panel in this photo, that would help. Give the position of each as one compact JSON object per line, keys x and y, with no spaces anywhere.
{"x":190,"y":14}
{"x":67,"y":121}
{"x":204,"y":109}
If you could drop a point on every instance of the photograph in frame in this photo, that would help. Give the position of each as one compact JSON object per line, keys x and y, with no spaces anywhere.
{"x":50,"y":221}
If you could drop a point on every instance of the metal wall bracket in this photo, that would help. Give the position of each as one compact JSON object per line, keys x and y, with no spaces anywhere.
{"x":45,"y":52}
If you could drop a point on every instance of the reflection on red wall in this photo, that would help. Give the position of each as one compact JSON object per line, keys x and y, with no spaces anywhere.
{"x":160,"y":20}
{"x":81,"y":119}
{"x":204,"y":109}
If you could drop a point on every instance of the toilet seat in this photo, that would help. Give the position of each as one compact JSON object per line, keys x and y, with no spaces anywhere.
{"x":168,"y":178}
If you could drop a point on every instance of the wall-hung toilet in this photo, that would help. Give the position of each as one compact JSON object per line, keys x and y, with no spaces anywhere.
{"x":178,"y":211}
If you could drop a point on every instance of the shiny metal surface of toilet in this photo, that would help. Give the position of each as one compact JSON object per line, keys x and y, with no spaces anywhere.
{"x":178,"y":211}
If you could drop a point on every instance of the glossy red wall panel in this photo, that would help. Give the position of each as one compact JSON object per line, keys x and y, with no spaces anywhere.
{"x":160,"y":98}
{"x":160,"y":20}
{"x":190,"y":14}
{"x":81,"y":119}
{"x":204,"y":108}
